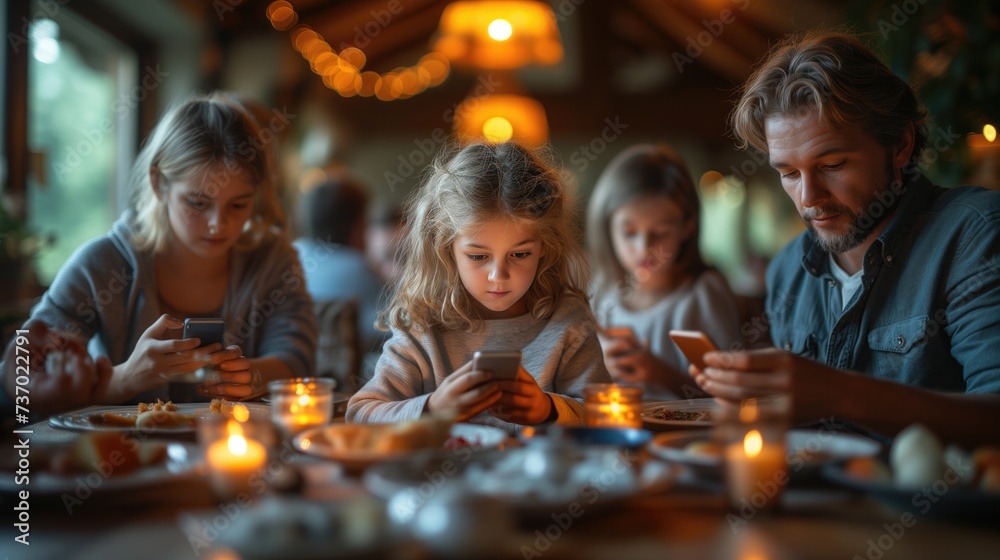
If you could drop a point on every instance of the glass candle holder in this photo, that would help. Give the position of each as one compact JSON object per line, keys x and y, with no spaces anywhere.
{"x":753,"y":440}
{"x":236,"y":454}
{"x":297,"y":404}
{"x":613,"y":406}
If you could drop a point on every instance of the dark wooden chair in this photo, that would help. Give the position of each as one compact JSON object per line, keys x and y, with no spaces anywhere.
{"x":338,"y":350}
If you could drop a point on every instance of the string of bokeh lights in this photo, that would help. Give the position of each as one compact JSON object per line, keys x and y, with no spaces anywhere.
{"x":343,"y":72}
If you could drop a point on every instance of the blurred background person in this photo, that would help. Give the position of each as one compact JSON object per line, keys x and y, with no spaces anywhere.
{"x":332,"y":250}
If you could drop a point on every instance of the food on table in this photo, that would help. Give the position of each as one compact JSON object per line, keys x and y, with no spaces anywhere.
{"x":107,"y":453}
{"x":230,"y":409}
{"x":704,"y":449}
{"x":426,"y":433}
{"x":918,"y":460}
{"x":666,"y":413}
{"x":917,"y":457}
{"x":868,"y":468}
{"x":147,"y":416}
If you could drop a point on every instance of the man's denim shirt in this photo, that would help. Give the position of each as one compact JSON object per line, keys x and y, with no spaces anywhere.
{"x":928,"y":311}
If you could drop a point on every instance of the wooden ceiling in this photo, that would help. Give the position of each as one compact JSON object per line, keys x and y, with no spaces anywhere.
{"x":639,"y":60}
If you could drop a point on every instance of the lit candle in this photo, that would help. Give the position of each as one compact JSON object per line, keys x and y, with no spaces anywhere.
{"x":297,"y":404}
{"x":612,"y":406}
{"x":232,"y":459}
{"x":756,"y":471}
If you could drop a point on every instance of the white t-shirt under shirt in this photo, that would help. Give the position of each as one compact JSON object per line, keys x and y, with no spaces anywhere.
{"x":849,"y":283}
{"x":704,"y":304}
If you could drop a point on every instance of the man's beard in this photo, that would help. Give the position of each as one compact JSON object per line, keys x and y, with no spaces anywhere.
{"x":861,"y":224}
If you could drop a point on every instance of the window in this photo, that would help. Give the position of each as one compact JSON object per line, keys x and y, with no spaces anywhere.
{"x":81,"y":132}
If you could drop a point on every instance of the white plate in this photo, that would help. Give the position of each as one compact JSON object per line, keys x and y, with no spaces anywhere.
{"x":596,"y":477}
{"x":804,"y":448}
{"x":483,"y":437}
{"x":692,"y":405}
{"x":78,"y":420}
{"x":181,"y":459}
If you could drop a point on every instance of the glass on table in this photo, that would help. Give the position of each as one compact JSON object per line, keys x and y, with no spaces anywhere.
{"x":235,"y":454}
{"x":301,"y":403}
{"x":609,"y":405}
{"x":752,"y":435}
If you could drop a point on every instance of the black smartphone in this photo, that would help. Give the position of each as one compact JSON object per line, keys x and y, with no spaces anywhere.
{"x":208,"y":330}
{"x":503,"y":365}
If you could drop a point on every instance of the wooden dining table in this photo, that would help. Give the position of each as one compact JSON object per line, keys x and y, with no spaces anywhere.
{"x":690,"y":519}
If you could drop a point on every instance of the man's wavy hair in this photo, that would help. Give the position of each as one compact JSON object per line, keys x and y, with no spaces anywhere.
{"x":208,"y":139}
{"x":838,"y":75}
{"x":478,"y":184}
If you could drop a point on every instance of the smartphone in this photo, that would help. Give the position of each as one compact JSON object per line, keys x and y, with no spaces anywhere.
{"x":619,"y":332}
{"x":694,"y":345}
{"x":208,"y":331}
{"x":503,"y":365}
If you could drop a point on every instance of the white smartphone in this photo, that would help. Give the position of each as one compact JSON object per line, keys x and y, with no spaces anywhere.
{"x":503,"y":365}
{"x":694,"y":345}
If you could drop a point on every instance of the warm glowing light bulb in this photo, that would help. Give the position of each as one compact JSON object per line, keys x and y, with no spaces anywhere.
{"x":752,"y":444}
{"x":990,"y":132}
{"x":500,"y":30}
{"x":498,"y":129}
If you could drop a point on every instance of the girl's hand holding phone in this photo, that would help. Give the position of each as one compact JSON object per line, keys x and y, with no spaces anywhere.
{"x":466,"y":392}
{"x":232,"y":376}
{"x":157,"y":356}
{"x":522,"y":401}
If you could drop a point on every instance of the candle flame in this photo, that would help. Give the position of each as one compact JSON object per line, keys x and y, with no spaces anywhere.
{"x":990,"y":132}
{"x":237,"y":445}
{"x":234,"y":428}
{"x":304,"y":400}
{"x":752,"y":444}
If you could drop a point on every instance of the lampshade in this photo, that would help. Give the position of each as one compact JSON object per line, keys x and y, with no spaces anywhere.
{"x":501,"y":117}
{"x":499,"y":34}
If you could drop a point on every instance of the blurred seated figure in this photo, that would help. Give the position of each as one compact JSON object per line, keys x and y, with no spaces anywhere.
{"x":386,"y":228}
{"x":332,"y":250}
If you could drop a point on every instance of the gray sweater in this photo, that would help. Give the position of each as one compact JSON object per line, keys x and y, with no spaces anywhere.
{"x":106,"y":293}
{"x":562,"y":353}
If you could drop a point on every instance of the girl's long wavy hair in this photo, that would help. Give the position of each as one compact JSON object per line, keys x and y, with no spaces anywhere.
{"x":481,"y":183}
{"x":209,"y":139}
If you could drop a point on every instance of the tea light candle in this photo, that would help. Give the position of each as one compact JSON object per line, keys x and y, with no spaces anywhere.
{"x":756,"y":471}
{"x":232,"y":459}
{"x":613,"y":406}
{"x":298,"y":404}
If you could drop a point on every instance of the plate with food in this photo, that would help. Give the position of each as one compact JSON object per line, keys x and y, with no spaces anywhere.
{"x":160,"y":417}
{"x":99,"y":462}
{"x":924,"y":477}
{"x":804,"y":449}
{"x":357,"y":446}
{"x":690,"y":413}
